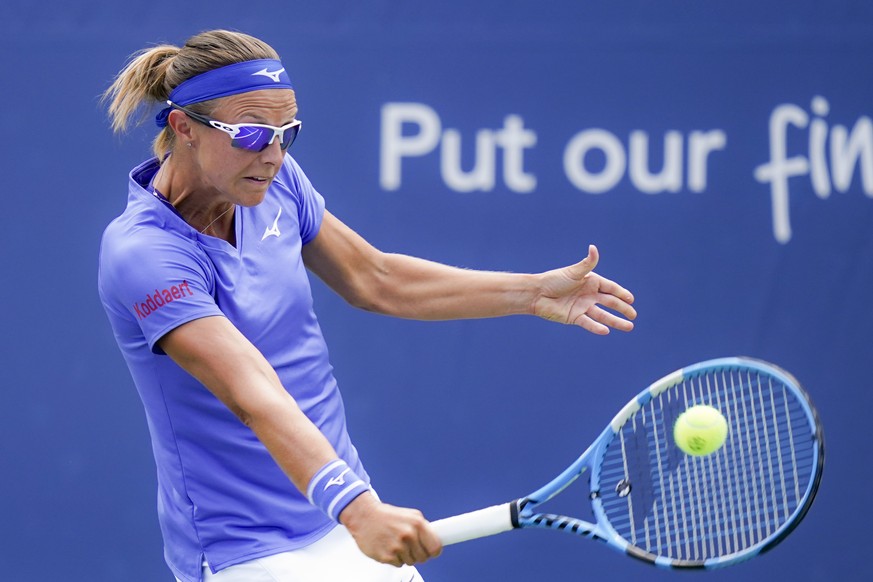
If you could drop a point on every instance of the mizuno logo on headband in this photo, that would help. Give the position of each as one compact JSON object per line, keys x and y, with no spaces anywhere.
{"x":272,"y":74}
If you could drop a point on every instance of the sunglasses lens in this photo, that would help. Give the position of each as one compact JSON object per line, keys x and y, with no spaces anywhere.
{"x":252,"y":138}
{"x":256,"y":139}
{"x":289,"y":136}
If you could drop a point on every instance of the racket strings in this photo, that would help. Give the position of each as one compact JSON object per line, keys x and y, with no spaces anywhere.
{"x":698,"y":508}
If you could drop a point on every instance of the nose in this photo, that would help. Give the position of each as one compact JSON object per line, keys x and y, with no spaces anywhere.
{"x":273,"y":153}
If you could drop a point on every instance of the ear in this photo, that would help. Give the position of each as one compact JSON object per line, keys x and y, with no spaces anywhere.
{"x":181,"y":125}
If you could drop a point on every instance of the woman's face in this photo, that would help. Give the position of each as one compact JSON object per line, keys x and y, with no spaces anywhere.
{"x":237,"y":175}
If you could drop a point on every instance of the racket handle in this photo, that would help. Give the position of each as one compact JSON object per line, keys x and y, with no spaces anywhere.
{"x":476,"y":524}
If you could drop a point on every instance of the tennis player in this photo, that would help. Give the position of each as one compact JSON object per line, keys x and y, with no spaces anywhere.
{"x":204,"y":280}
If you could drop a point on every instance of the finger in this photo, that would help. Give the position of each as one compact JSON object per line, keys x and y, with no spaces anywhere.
{"x":616,"y":304}
{"x":586,"y":265}
{"x":431,"y":542}
{"x":607,"y":318}
{"x":613,"y":288}
{"x":426,"y":546}
{"x":588,"y":324}
{"x":417,"y":552}
{"x":402,"y":557}
{"x":411,"y":548}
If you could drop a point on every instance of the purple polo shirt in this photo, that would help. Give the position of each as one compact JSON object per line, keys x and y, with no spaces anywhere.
{"x":221,"y":496}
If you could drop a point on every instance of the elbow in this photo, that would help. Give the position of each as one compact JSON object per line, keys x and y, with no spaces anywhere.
{"x":245,"y":417}
{"x":246,"y":413}
{"x":265,"y":414}
{"x":257,"y":408}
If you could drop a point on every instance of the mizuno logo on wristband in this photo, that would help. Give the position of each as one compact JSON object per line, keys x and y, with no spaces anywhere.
{"x":338,"y":480}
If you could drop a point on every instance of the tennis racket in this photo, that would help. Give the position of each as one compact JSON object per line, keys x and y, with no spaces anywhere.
{"x":653,"y":502}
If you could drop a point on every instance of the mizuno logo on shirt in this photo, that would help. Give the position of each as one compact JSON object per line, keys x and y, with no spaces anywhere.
{"x":271,"y":74}
{"x":273,"y":230}
{"x":161,"y":297}
{"x":338,"y":480}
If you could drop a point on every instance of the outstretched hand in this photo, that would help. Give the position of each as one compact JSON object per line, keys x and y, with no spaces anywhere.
{"x":576,"y":295}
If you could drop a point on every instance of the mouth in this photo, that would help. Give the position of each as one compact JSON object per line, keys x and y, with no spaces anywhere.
{"x":259,"y":179}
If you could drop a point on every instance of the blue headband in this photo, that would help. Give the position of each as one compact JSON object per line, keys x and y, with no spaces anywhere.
{"x":230,"y":80}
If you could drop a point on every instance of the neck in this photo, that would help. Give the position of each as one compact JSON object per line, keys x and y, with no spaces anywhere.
{"x":199,"y":205}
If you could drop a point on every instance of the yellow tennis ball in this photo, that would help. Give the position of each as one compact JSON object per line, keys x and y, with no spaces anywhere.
{"x":700,"y":430}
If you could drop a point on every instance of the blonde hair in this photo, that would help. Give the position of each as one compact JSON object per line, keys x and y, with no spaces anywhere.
{"x":152,"y":73}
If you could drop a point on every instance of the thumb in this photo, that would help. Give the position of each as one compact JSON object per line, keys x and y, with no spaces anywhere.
{"x":586,"y":265}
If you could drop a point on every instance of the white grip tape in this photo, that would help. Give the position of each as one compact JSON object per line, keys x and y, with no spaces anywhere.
{"x":475,"y":524}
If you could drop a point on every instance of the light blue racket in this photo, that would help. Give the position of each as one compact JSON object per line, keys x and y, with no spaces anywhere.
{"x":653,"y":502}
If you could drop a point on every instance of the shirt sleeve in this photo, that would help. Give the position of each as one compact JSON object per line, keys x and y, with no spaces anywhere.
{"x":310,"y":204}
{"x":158,"y":280}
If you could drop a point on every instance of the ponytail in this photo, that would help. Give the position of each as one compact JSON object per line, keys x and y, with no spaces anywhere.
{"x":142,"y":82}
{"x":152,"y":73}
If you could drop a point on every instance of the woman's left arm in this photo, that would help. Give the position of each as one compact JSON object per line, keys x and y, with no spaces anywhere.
{"x":414,"y":288}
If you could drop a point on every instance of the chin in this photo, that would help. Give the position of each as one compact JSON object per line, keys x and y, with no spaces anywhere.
{"x":253,"y":197}
{"x":252,"y":200}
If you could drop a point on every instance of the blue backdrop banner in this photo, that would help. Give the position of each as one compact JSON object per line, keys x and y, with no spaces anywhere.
{"x":719,"y":154}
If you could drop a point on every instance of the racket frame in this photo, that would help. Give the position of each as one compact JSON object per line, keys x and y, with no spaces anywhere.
{"x":521,"y":513}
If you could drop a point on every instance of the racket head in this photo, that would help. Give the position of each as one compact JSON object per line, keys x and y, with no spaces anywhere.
{"x":662,"y":506}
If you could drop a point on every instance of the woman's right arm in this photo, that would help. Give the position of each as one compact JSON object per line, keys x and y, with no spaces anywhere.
{"x":212,"y":350}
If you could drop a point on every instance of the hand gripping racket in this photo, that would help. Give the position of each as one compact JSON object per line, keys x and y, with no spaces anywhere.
{"x":655,"y":503}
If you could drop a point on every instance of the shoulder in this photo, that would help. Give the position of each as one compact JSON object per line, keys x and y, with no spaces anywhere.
{"x":140,"y":246}
{"x":143,"y":235}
